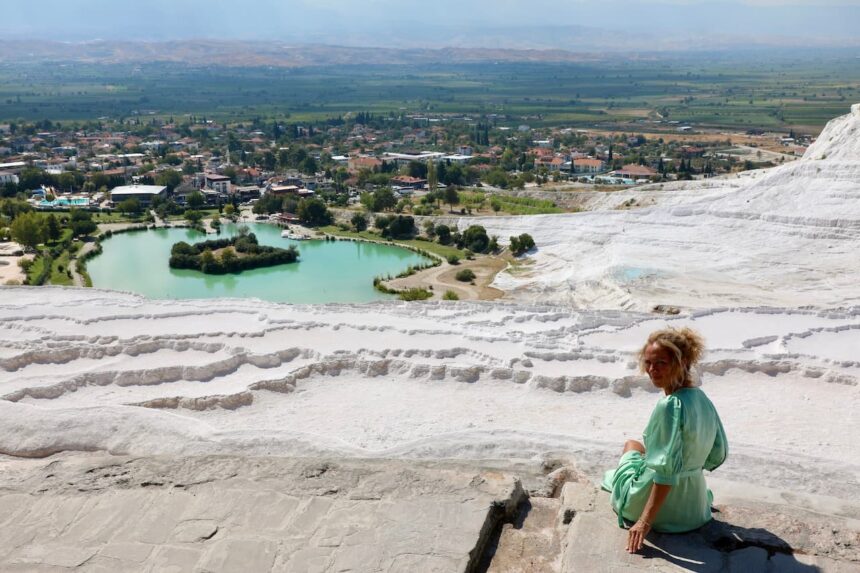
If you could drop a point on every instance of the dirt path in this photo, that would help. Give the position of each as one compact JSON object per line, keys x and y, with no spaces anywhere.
{"x":77,"y":278}
{"x":10,"y":271}
{"x":443,"y":278}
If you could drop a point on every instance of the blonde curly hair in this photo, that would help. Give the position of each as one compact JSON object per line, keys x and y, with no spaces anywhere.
{"x":685,"y":345}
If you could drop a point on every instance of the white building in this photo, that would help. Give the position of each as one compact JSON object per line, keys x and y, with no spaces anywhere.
{"x":219,"y":183}
{"x":8,"y":177}
{"x":406,"y":158}
{"x":14,"y":167}
{"x":143,"y":193}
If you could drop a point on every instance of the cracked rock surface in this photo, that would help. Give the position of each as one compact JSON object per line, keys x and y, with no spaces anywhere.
{"x":96,"y":512}
{"x":107,"y":513}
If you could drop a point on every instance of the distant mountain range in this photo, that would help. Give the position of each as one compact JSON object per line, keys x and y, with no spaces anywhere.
{"x":273,"y":53}
{"x":581,"y":45}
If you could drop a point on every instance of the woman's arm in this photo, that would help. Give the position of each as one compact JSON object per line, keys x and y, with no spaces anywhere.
{"x":636,"y":536}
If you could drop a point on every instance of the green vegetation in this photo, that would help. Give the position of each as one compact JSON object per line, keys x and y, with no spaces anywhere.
{"x":48,"y":235}
{"x":413,"y":294}
{"x":232,"y":255}
{"x":465,"y":275}
{"x":38,"y":270}
{"x":522,"y":244}
{"x":29,"y":230}
{"x":436,"y":249}
{"x":314,"y":213}
{"x":474,"y":239}
{"x":396,"y":227}
{"x":784,"y":89}
{"x":524,"y":205}
{"x":359,"y":222}
{"x":450,"y":295}
{"x":61,"y":274}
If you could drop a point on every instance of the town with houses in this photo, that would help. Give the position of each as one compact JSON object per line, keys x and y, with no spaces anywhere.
{"x":99,"y":165}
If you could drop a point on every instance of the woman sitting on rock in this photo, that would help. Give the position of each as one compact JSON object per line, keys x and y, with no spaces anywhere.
{"x":660,"y":484}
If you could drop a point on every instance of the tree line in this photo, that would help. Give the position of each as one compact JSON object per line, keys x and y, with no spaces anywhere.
{"x":235,"y":255}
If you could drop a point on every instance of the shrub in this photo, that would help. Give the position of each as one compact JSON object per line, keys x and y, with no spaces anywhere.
{"x":380,"y":286}
{"x":381,"y":222}
{"x":450,"y":295}
{"x":465,"y":275}
{"x":400,"y":227}
{"x":444,"y":234}
{"x":453,"y":260}
{"x":415,"y":294}
{"x":475,"y":239}
{"x":314,"y":213}
{"x":522,"y":244}
{"x":359,"y":222}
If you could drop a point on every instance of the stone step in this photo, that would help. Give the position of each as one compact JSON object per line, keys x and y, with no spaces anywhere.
{"x":532,"y":543}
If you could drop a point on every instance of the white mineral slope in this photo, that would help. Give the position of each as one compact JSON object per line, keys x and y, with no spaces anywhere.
{"x":104,"y":371}
{"x":786,"y":236}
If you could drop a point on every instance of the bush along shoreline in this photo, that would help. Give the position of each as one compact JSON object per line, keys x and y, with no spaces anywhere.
{"x":233,"y":255}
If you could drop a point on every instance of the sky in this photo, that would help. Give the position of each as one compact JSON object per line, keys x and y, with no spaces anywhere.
{"x":409,"y":23}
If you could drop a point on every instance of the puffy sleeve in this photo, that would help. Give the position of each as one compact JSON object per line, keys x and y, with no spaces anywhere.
{"x":664,"y":441}
{"x":720,"y":449}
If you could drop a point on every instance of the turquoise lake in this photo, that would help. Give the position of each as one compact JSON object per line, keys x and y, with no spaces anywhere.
{"x":333,"y":271}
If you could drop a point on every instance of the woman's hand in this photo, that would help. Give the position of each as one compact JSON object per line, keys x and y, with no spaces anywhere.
{"x":636,"y":536}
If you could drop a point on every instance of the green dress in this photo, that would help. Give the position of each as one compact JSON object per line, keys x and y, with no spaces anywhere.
{"x":683,"y":436}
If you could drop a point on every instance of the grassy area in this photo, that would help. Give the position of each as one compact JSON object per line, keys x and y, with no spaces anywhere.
{"x":443,"y":251}
{"x":116,"y":217}
{"x":509,"y":205}
{"x":782,"y":90}
{"x":206,"y":213}
{"x":59,"y":270}
{"x":37,"y":273}
{"x":527,"y":206}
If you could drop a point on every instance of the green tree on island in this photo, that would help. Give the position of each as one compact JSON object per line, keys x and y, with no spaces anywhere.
{"x":207,"y":260}
{"x":228,"y":255}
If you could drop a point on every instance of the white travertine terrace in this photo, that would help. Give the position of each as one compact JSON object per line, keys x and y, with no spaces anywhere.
{"x":786,"y":236}
{"x":764,"y":265}
{"x":98,"y":370}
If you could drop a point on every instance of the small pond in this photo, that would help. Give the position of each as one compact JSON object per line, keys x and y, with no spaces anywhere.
{"x":327,"y":271}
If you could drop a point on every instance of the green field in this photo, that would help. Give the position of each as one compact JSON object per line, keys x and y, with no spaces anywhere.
{"x":443,"y":251}
{"x":753,"y":91}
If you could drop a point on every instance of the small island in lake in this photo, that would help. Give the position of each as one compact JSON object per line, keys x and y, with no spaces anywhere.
{"x":232,"y":255}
